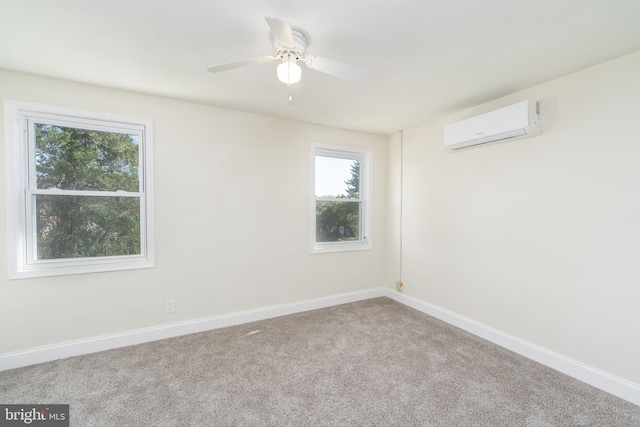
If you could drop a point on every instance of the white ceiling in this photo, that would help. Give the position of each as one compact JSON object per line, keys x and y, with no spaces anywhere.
{"x":425,"y":58}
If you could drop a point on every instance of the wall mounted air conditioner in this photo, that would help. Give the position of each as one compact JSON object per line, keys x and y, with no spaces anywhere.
{"x":515,"y":121}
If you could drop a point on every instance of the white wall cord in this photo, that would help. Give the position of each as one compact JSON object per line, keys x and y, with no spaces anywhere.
{"x":401,"y":197}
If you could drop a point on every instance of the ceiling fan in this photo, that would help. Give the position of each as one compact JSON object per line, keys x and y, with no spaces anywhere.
{"x":290,"y":46}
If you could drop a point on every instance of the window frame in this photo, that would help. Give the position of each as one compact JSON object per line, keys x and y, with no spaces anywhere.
{"x":21,"y":188}
{"x":348,"y":153}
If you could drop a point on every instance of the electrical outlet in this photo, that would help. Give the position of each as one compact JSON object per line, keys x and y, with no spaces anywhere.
{"x":171,"y":305}
{"x":399,"y":286}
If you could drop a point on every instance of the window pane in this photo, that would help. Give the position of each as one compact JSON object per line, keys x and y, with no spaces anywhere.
{"x":337,"y":221}
{"x":81,"y":159}
{"x":77,"y":226}
{"x":337,"y":177}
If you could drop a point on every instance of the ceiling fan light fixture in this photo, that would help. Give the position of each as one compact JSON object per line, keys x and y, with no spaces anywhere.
{"x":289,"y":72}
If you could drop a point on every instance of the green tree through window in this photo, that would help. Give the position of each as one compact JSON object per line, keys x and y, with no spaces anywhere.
{"x":338,"y":216}
{"x":83,"y":223}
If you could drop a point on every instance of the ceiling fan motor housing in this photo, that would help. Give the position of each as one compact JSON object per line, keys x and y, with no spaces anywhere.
{"x":299,"y":40}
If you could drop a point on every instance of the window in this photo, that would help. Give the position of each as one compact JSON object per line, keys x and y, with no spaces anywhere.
{"x":79,"y":191}
{"x":340,"y":206}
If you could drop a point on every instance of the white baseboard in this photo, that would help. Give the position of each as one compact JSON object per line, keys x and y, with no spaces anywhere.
{"x":139,"y":336}
{"x":587,"y":374}
{"x":599,"y":379}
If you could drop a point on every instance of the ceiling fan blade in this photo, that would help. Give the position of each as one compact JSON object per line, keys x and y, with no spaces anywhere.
{"x":282,"y":32}
{"x":336,"y":69}
{"x":238,"y":64}
{"x":295,"y":94}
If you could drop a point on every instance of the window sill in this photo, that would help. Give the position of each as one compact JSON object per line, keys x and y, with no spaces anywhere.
{"x":323,"y":248}
{"x":66,"y":270}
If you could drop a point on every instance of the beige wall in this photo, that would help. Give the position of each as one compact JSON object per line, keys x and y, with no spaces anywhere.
{"x":231,"y":216}
{"x":539,"y":237}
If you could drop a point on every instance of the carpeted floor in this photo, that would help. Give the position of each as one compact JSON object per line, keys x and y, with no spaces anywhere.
{"x":370,"y":363}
